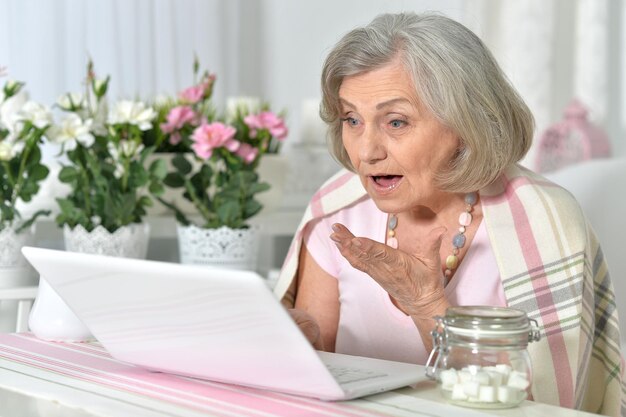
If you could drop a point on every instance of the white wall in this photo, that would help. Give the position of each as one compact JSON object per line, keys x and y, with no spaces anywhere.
{"x":275,"y":48}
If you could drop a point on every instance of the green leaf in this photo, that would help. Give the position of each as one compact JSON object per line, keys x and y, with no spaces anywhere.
{"x":181,"y":164}
{"x":206,"y":171}
{"x":251,"y":208}
{"x":158,"y":169}
{"x":258,"y":188}
{"x":156,"y":188}
{"x":180,"y":216}
{"x":68,"y":174}
{"x":38,"y":172}
{"x":34,"y":217}
{"x":145,"y":201}
{"x":228,"y":212}
{"x":174,"y":180}
{"x":138,"y":176}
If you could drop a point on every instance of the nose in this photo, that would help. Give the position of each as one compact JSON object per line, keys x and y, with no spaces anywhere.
{"x":371,"y":148}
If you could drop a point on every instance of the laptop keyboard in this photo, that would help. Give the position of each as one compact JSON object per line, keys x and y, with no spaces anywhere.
{"x":346,"y":375}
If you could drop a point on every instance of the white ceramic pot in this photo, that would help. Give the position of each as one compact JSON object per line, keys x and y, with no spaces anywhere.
{"x":223,"y":247}
{"x":15,"y":271}
{"x":129,"y":241}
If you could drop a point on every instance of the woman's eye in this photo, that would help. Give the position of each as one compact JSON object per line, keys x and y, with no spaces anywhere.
{"x":351,"y":121}
{"x":397,"y":123}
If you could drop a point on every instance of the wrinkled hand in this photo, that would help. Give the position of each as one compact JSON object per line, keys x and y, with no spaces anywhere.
{"x":308,"y":326}
{"x":415,"y":281}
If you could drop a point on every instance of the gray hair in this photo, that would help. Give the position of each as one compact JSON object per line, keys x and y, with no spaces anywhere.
{"x":455,"y":77}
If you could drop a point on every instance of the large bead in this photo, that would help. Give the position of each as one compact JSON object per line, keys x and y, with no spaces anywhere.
{"x":458,"y":241}
{"x":471,"y":198}
{"x":465,"y":219}
{"x":393,"y":222}
{"x":393,"y":242}
{"x":452,"y":262}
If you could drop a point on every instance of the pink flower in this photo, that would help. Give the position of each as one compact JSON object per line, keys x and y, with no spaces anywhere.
{"x":177,"y":118}
{"x":193,"y":94}
{"x":247,"y":152}
{"x":266,"y":120}
{"x":207,"y":137}
{"x":175,"y":138}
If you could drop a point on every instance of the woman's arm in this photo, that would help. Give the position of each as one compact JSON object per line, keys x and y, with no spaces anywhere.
{"x":318,"y":296}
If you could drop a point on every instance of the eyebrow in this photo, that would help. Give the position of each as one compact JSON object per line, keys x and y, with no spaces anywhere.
{"x":379,"y":105}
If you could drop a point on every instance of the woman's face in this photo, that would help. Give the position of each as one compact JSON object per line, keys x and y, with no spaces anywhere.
{"x":394,"y":143}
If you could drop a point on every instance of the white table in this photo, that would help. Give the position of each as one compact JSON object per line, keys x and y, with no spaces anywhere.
{"x":41,"y":380}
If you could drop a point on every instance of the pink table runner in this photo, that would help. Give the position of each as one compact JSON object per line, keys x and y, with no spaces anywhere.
{"x":90,"y":362}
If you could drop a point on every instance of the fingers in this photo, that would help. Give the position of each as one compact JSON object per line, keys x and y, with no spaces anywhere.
{"x":361,"y":252}
{"x":341,"y":235}
{"x":432,"y":246}
{"x":308,"y":326}
{"x":435,"y":236}
{"x":414,"y":280}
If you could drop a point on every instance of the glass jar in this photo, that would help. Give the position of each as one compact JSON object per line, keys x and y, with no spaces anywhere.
{"x":479,"y":356}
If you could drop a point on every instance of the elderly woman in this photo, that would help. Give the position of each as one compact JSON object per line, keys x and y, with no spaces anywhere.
{"x":433,"y":212}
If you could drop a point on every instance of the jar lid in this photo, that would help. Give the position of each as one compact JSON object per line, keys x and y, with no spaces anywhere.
{"x":486,"y":320}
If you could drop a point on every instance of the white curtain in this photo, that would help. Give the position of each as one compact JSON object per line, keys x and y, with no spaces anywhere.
{"x":554,"y":51}
{"x":147,"y":46}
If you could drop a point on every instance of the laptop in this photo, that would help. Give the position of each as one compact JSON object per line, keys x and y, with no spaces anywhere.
{"x":209,"y":323}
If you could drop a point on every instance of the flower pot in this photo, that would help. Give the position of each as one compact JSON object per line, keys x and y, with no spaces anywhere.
{"x":129,"y":241}
{"x":273,"y":169}
{"x":15,"y":271}
{"x":223,"y":247}
{"x":51,"y":318}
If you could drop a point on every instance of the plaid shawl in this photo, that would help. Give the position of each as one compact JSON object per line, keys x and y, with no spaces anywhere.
{"x":551,"y":266}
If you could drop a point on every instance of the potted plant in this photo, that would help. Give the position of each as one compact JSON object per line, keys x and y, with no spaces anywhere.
{"x":106,"y":170}
{"x":218,"y":176}
{"x":23,"y":126}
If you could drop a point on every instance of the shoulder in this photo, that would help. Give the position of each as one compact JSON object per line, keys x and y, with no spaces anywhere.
{"x":340,"y":191}
{"x":523,"y":191}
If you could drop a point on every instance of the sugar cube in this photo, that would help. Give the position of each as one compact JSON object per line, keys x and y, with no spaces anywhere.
{"x":508,"y":394}
{"x":481,"y":377}
{"x":518,"y":380}
{"x":487,"y":394}
{"x":448,"y":378}
{"x":458,"y":392}
{"x":471,"y":388}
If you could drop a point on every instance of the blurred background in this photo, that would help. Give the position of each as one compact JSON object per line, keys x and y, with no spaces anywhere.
{"x":552,"y":50}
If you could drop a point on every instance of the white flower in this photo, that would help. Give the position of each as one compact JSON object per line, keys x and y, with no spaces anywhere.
{"x":71,"y":130}
{"x":97,"y":110}
{"x":132,"y":112}
{"x":36,"y":113}
{"x":10,"y":84}
{"x":9,"y":110}
{"x":98,"y":86}
{"x":6,"y":151}
{"x":70,"y":101}
{"x":123,"y":148}
{"x":126,"y":148}
{"x":163,"y":100}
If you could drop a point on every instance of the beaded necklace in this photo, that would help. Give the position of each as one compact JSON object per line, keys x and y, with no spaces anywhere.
{"x":458,"y":241}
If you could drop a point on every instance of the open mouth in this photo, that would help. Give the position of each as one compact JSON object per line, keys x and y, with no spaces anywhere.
{"x":386,"y":181}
